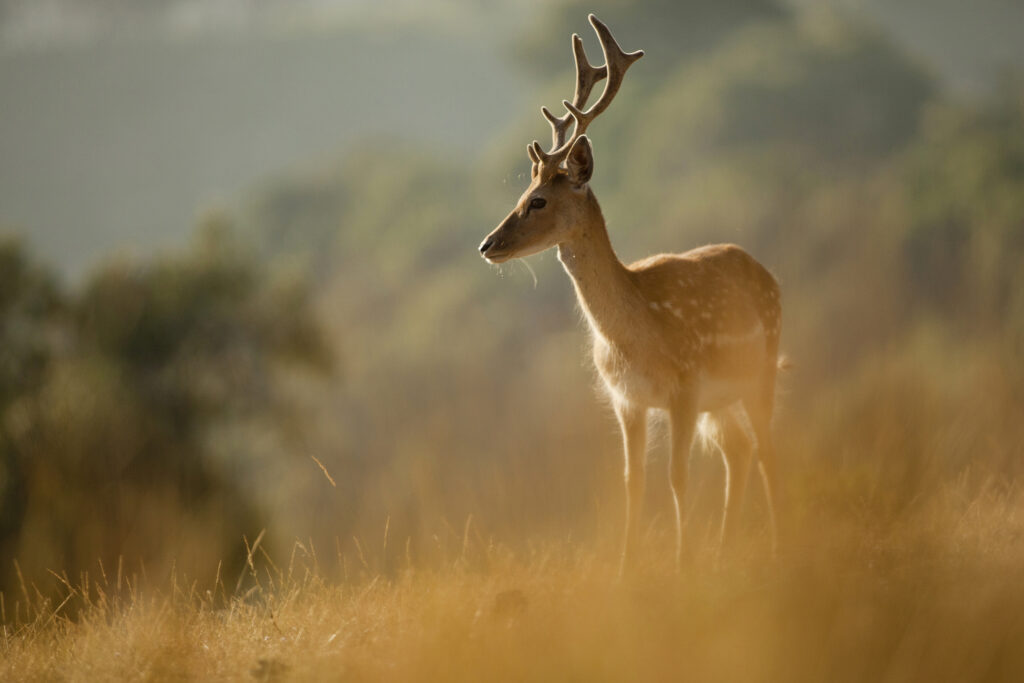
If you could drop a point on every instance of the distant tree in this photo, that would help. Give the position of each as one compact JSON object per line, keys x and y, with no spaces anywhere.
{"x":115,"y":446}
{"x":828,"y":93}
{"x":964,"y":204}
{"x":30,"y":312}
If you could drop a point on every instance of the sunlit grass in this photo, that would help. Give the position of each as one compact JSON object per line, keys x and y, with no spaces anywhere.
{"x":933,"y":593}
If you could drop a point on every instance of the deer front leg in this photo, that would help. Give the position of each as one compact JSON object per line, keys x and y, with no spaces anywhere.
{"x":683,"y":415}
{"x":633,"y":420}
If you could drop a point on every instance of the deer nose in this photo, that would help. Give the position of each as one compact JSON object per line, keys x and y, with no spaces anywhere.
{"x":487,"y":244}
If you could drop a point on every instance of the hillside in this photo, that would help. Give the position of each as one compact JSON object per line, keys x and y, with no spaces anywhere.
{"x":121,"y":145}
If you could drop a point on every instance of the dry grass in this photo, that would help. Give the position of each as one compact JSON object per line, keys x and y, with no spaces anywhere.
{"x":930,"y":594}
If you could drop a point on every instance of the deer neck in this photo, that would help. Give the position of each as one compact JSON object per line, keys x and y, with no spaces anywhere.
{"x":604,"y":286}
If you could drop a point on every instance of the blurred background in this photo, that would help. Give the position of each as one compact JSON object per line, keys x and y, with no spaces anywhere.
{"x":239,"y":286}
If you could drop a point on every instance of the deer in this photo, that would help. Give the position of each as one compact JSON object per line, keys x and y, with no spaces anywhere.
{"x":694,"y":335}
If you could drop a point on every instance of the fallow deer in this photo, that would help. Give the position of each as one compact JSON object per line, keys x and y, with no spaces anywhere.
{"x":687,"y":333}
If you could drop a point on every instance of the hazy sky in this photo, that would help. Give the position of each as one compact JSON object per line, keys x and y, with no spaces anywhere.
{"x":34,"y":23}
{"x":123,"y":119}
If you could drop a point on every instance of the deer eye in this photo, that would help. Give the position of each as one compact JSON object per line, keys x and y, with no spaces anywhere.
{"x":538,"y":203}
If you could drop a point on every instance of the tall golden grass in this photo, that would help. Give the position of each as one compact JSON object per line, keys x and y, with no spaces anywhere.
{"x":931,"y":592}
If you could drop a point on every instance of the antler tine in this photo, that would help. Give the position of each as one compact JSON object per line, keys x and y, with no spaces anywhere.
{"x":559,"y":126}
{"x":616,"y":62}
{"x":587,"y":75}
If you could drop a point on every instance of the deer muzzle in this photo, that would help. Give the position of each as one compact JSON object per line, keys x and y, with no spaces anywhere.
{"x":495,"y":247}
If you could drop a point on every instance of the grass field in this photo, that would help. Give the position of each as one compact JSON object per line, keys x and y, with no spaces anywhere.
{"x":932,"y":592}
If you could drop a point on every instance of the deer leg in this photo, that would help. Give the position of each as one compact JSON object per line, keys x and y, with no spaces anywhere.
{"x":683,"y":416}
{"x":735,"y":444}
{"x":760,"y":419}
{"x":633,"y":421}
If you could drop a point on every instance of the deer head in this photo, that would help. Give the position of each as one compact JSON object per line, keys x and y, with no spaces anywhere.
{"x":552,"y":207}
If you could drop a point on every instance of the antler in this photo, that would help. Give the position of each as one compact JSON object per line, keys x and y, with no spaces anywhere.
{"x":587,"y":75}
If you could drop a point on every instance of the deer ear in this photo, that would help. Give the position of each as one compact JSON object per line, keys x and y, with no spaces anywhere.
{"x":580,"y":162}
{"x":534,"y":159}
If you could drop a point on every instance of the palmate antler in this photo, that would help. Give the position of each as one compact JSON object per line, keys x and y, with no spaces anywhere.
{"x":587,"y":75}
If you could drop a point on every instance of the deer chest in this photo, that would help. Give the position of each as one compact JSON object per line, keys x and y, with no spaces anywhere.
{"x":631,"y":377}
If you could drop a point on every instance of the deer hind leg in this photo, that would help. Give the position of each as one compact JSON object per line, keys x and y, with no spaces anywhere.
{"x":633,"y":421}
{"x":734,"y":442}
{"x":759,"y":409}
{"x":683,"y":416}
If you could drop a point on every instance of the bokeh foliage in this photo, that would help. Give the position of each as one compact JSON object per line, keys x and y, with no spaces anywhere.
{"x":109,"y":423}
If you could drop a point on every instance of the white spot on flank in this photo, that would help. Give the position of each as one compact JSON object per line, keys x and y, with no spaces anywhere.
{"x":653,"y":305}
{"x":722,"y":339}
